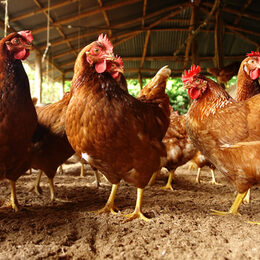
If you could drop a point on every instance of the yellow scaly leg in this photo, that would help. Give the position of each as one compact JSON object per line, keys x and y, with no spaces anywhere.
{"x":36,"y":186}
{"x":14,"y":201}
{"x":82,"y":170}
{"x":152,"y":180}
{"x":110,"y":206}
{"x":137,"y":212}
{"x":168,"y":185}
{"x":52,"y":192}
{"x":198,"y":176}
{"x":234,"y":208}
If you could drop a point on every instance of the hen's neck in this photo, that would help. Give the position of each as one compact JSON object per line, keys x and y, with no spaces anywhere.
{"x":246,"y":87}
{"x":213,"y":99}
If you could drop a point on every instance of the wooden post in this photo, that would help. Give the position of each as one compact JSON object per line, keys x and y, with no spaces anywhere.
{"x":62,"y":85}
{"x":194,"y":46}
{"x":38,"y":77}
{"x":140,"y":79}
{"x":219,"y":32}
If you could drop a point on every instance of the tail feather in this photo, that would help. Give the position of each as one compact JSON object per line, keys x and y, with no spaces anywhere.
{"x":156,"y":87}
{"x":154,"y":91}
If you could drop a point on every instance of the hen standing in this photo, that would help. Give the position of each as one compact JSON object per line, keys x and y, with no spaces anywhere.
{"x":50,"y":146}
{"x":18,"y":118}
{"x":118,"y":134}
{"x":226,"y":131}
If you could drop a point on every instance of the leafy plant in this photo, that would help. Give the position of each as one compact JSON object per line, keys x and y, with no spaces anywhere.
{"x":179,"y":99}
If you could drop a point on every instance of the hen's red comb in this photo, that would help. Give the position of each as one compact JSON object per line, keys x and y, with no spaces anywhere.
{"x":104,"y":40}
{"x":188,"y":75}
{"x":27,"y":35}
{"x":253,"y":53}
{"x":119,"y":61}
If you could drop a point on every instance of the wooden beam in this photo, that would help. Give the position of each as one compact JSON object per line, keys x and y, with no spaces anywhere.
{"x":87,"y":13}
{"x":59,"y":29}
{"x":190,"y":41}
{"x":166,"y":58}
{"x":218,"y":39}
{"x":127,"y":38}
{"x":194,"y":46}
{"x":105,"y":17}
{"x":205,"y":22}
{"x":145,"y":48}
{"x":117,"y":39}
{"x":238,"y":18}
{"x":242,"y":36}
{"x":236,"y":12}
{"x":236,"y":30}
{"x":121,"y":25}
{"x":20,"y":17}
{"x":144,"y":12}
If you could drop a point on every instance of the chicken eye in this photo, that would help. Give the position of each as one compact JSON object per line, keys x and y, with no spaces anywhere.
{"x":251,"y":61}
{"x":15,"y":41}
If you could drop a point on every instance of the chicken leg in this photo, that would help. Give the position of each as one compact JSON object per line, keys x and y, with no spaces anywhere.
{"x":152,"y":180}
{"x":110,"y":206}
{"x":36,"y":186}
{"x":137,"y":212}
{"x":198,"y":175}
{"x":234,"y":208}
{"x":52,"y":192}
{"x":168,"y":185}
{"x":14,"y":201}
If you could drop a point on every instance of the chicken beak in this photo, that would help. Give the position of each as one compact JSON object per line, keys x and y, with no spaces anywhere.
{"x":121,"y":70}
{"x":28,"y":46}
{"x":110,"y":56}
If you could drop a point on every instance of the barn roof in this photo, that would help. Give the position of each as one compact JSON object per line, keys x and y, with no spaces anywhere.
{"x":147,"y":34}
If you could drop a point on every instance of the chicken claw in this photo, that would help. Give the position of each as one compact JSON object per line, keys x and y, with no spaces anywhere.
{"x":13,"y":200}
{"x":110,"y":206}
{"x":234,"y":208}
{"x":36,"y":186}
{"x":137,"y":212}
{"x":52,"y":191}
{"x":168,"y":185}
{"x":254,"y":223}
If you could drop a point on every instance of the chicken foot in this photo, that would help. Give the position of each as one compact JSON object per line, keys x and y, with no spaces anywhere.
{"x":52,"y":192}
{"x":168,"y":185}
{"x":137,"y":212}
{"x":213,"y":179}
{"x":36,"y":186}
{"x":13,"y":199}
{"x":234,"y":208}
{"x":110,"y":206}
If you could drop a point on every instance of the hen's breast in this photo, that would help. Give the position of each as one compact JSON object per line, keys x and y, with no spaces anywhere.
{"x":113,"y":131}
{"x":17,"y":123}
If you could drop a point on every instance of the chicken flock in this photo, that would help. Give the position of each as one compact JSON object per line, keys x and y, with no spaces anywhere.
{"x":125,"y":137}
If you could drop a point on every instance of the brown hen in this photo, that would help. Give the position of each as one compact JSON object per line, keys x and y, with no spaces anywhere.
{"x":226,"y":131}
{"x":18,"y":118}
{"x":116,"y":133}
{"x":50,"y":145}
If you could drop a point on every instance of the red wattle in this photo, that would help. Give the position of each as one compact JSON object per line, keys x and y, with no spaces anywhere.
{"x":194,"y":93}
{"x":254,"y":74}
{"x":21,"y":55}
{"x":101,"y":67}
{"x":115,"y":75}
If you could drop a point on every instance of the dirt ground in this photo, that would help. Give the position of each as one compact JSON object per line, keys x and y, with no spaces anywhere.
{"x":181,"y":225}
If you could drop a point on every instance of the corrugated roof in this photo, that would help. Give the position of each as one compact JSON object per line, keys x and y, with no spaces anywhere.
{"x":75,"y":23}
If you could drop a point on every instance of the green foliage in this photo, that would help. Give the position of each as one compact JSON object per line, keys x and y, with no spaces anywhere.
{"x":52,"y":92}
{"x":179,"y":99}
